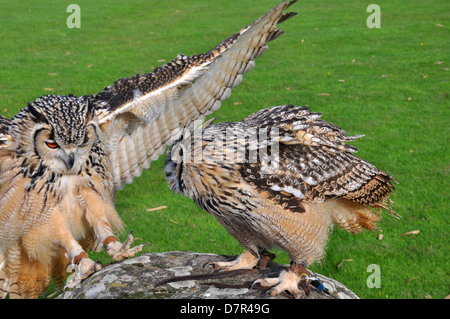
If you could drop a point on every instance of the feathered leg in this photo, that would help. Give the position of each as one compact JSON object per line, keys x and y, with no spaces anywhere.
{"x":61,"y":237}
{"x":104,"y":218}
{"x":59,"y":272}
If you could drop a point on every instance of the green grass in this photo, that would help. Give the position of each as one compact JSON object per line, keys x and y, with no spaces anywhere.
{"x":395,"y":90}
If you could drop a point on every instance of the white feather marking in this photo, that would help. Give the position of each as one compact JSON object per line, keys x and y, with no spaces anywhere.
{"x":311,"y":181}
{"x":286,"y":139}
{"x":300,"y":127}
{"x":296,"y":192}
{"x":137,"y":93}
{"x":288,"y":189}
{"x":352,"y":186}
{"x":316,"y":161}
{"x":186,"y":78}
{"x":3,"y":260}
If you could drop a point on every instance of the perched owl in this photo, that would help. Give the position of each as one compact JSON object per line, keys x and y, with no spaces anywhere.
{"x":62,"y":158}
{"x":280,"y":177}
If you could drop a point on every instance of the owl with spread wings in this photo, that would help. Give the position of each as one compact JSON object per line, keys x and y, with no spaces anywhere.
{"x":62,"y":158}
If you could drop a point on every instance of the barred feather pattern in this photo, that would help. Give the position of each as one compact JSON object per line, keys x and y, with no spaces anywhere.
{"x":141,"y":115}
{"x":43,"y":210}
{"x":317,"y":181}
{"x":62,"y":158}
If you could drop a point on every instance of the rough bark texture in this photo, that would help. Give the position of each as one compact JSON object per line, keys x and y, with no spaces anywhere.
{"x":137,"y":278}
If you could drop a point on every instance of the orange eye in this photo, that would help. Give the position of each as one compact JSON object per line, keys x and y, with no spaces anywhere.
{"x":52,"y":144}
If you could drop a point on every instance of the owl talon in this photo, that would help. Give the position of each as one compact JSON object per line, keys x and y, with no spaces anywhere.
{"x":117,"y":250}
{"x":289,"y":280}
{"x":85,"y":268}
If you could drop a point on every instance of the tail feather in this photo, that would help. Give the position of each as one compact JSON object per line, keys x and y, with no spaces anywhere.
{"x":376,"y":193}
{"x":354,"y":217}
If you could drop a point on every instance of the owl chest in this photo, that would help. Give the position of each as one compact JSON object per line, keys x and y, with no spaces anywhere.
{"x":74,"y":203}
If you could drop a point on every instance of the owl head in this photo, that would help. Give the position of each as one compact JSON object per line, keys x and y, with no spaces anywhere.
{"x":181,"y":152}
{"x":59,"y":132}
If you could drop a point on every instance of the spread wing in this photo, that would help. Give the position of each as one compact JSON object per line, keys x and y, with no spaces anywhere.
{"x":313,"y":162}
{"x":142,"y":114}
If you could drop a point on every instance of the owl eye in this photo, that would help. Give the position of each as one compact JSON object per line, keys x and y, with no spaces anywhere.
{"x":52,"y":144}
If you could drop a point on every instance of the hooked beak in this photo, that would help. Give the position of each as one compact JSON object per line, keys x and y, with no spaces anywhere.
{"x":69,"y":160}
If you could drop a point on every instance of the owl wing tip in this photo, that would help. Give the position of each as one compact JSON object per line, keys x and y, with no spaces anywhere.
{"x":177,"y":93}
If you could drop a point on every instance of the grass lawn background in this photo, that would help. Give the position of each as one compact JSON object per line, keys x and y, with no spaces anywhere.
{"x":391,"y":84}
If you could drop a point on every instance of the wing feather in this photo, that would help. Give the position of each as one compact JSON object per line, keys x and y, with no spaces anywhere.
{"x":314,"y":162}
{"x":5,"y":138}
{"x":140,"y":115}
